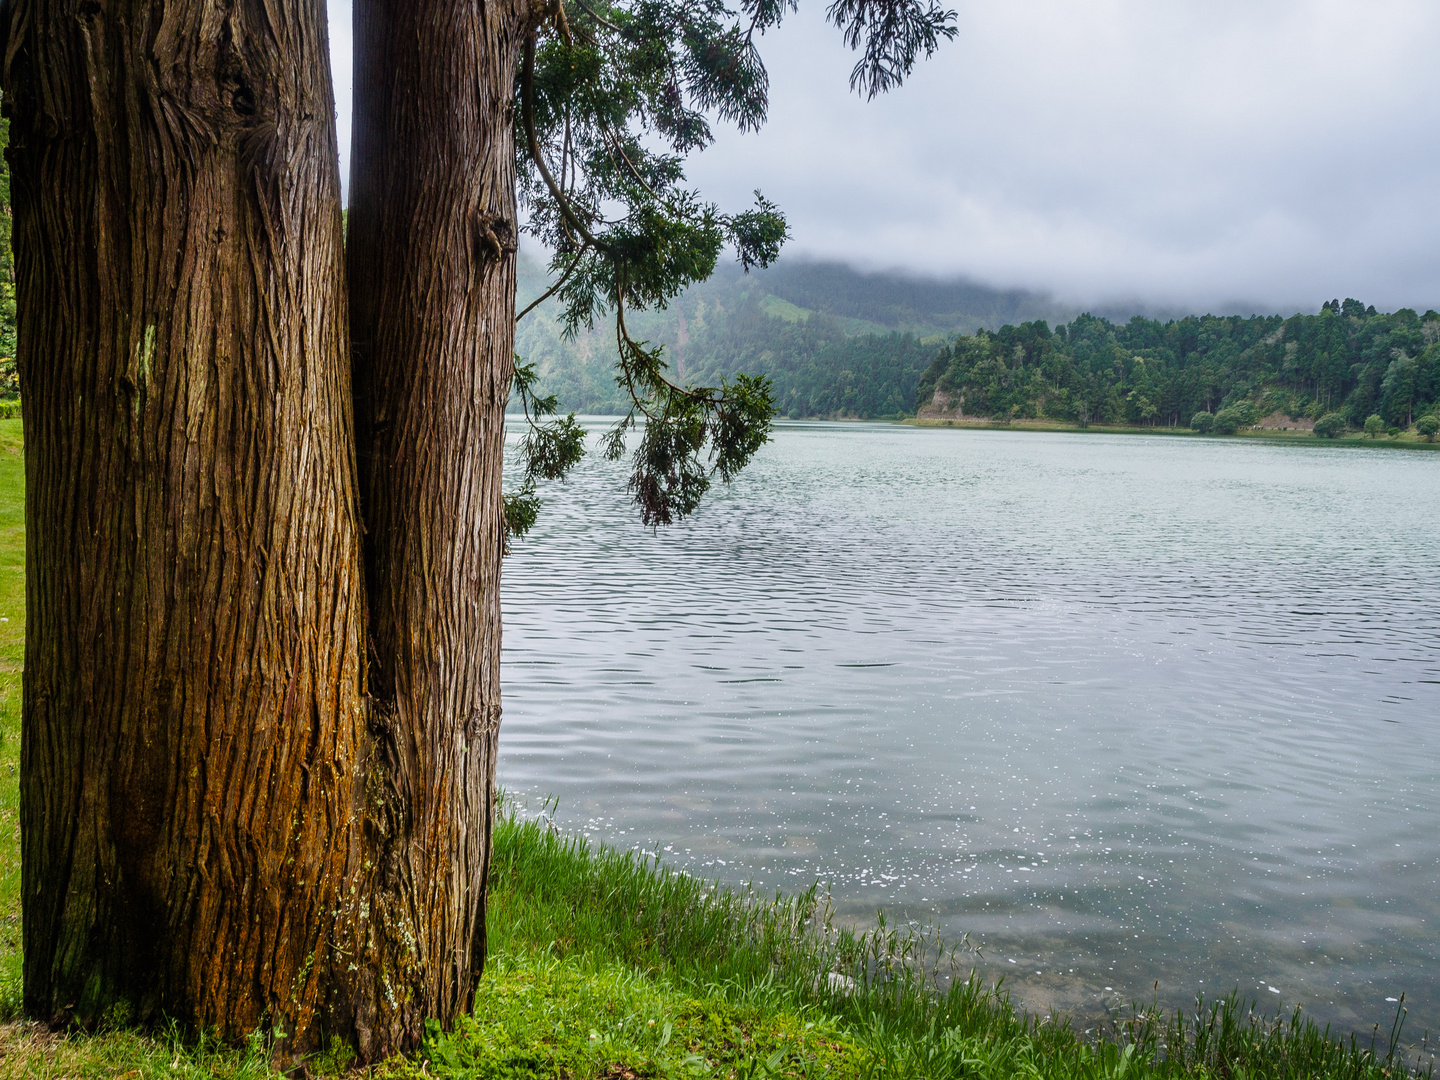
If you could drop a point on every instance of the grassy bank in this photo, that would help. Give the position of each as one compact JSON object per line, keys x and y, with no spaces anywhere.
{"x":702,"y":981}
{"x":607,"y":965}
{"x":1408,"y":440}
{"x":12,"y":657}
{"x":604,"y":965}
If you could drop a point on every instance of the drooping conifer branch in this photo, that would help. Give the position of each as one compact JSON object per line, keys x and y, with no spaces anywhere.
{"x":622,"y":93}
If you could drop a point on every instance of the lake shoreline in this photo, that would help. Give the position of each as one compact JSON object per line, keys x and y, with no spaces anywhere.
{"x":606,"y":964}
{"x":1076,"y":639}
{"x":1407,"y":441}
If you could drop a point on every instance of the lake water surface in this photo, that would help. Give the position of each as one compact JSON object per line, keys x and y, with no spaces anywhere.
{"x":1126,"y":709}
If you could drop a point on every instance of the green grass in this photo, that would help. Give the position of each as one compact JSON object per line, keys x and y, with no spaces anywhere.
{"x":650,"y":952}
{"x":28,"y":1053}
{"x":12,"y":658}
{"x":607,"y":965}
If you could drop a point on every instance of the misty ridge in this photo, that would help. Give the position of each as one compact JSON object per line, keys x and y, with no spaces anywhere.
{"x":801,"y":323}
{"x":840,"y":343}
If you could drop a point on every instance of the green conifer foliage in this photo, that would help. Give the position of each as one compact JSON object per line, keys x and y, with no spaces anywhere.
{"x":613,"y":96}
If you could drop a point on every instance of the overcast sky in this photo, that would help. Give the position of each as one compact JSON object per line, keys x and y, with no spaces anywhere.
{"x":1200,"y":154}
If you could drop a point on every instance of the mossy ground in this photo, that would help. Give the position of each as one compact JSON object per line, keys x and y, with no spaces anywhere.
{"x":605,"y":966}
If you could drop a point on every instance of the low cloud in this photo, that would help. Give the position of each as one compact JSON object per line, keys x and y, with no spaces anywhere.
{"x":1190,"y":154}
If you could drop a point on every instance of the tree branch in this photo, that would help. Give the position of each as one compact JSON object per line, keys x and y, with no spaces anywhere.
{"x":596,"y":16}
{"x":527,"y":115}
{"x":553,"y":288}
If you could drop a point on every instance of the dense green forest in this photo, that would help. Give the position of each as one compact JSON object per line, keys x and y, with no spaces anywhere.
{"x":1348,"y":360}
{"x":836,"y":342}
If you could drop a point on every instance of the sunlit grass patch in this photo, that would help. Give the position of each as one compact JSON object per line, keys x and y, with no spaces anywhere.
{"x":887,"y":1002}
{"x":12,"y":656}
{"x":538,"y":1016}
{"x":29,"y":1052}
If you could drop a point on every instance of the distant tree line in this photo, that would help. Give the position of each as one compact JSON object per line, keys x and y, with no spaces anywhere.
{"x":1346,"y":365}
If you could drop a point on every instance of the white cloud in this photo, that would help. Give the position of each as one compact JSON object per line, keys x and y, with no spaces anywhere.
{"x":342,"y":70}
{"x":1179,"y":153}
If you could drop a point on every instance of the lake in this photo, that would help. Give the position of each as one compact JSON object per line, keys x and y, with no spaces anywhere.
{"x":1126,"y":709}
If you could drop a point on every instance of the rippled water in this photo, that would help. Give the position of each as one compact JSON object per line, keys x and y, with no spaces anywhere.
{"x":1126,"y":709}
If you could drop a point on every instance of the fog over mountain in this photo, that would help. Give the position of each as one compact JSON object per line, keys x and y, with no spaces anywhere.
{"x":1187,"y":156}
{"x":836,"y":341}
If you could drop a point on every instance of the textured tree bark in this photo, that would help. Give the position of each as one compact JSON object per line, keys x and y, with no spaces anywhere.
{"x":193,"y":726}
{"x":432,"y":287}
{"x":218,"y":823}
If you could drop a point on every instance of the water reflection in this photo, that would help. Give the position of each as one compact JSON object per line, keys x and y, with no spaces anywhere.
{"x":1126,"y":709}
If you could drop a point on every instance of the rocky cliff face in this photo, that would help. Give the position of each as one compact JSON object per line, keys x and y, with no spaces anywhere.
{"x":944,"y":405}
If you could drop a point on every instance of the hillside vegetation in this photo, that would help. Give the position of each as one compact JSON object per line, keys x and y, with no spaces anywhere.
{"x":835,"y":342}
{"x":1349,"y":361}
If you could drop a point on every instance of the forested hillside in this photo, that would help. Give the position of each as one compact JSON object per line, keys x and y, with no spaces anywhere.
{"x":1349,"y":359}
{"x":836,"y":342}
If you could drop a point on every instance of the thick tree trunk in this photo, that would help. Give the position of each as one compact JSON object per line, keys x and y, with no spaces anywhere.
{"x":218,"y":824}
{"x":432,"y":280}
{"x":193,"y":731}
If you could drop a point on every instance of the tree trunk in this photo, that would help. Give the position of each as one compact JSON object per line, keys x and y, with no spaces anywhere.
{"x":432,"y":283}
{"x":193,"y":732}
{"x":217,"y":823}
